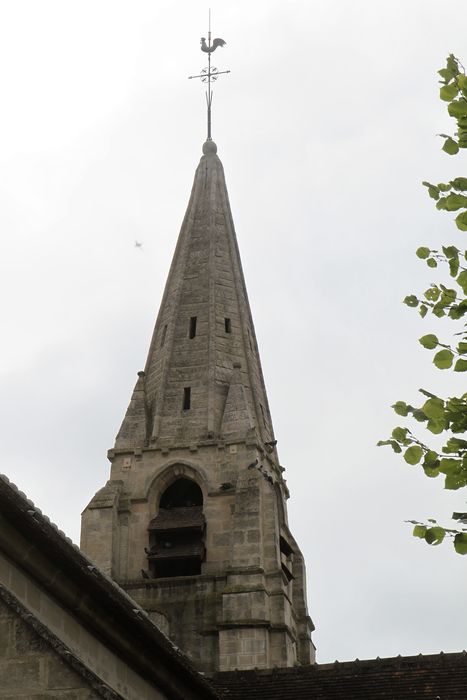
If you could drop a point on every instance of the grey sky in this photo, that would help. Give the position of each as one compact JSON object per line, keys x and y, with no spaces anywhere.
{"x":326,"y":127}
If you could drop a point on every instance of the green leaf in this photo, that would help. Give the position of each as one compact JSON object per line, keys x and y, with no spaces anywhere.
{"x":433,"y":408}
{"x":400,"y":434}
{"x":413,"y":454}
{"x":459,"y":516}
{"x":431,"y":472}
{"x":431,"y":464}
{"x":462,"y":281}
{"x":450,"y":251}
{"x":395,"y":445}
{"x":460,"y":366}
{"x":454,"y":266}
{"x":451,"y":147}
{"x":431,"y":262}
{"x":433,"y":190}
{"x":457,"y":108}
{"x":459,"y":183}
{"x":438,"y":311}
{"x":435,"y":535}
{"x":460,"y":543}
{"x":453,"y":482}
{"x":432,"y":294}
{"x":455,"y":202}
{"x":401,"y":408}
{"x":445,"y":74}
{"x":448,"y":92}
{"x":443,"y":187}
{"x":423,"y":310}
{"x":449,"y":466}
{"x":461,"y":221}
{"x":422,"y":252}
{"x":436,"y":425}
{"x":462,"y":348}
{"x":455,"y":444}
{"x":448,"y":296}
{"x":429,"y":341}
{"x":452,"y":64}
{"x":456,"y":312}
{"x":431,"y":459}
{"x":443,"y":359}
{"x":419,"y":531}
{"x":419,"y":415}
{"x":411,"y":301}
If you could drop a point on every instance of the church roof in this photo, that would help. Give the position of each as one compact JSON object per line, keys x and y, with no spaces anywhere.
{"x":433,"y":677}
{"x":35,"y":545}
{"x":203,"y":377}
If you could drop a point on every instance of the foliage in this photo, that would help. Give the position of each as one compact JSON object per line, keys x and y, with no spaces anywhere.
{"x":443,"y":416}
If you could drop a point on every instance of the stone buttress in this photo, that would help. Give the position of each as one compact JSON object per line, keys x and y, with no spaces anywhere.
{"x":193,"y":521}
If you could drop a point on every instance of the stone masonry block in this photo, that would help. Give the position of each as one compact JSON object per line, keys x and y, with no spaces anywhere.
{"x":255,"y":646}
{"x":27,"y":641}
{"x":20,"y":675}
{"x":59,"y":675}
{"x":238,"y":537}
{"x":253,"y":536}
{"x":6,"y":628}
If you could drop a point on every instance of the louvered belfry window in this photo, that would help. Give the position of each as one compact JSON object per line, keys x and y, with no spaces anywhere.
{"x":176,"y":534}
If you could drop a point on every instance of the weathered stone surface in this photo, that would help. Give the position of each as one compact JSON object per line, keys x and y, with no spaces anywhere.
{"x":29,"y":667}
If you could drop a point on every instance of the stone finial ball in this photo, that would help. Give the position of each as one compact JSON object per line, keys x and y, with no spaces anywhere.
{"x":209,"y":147}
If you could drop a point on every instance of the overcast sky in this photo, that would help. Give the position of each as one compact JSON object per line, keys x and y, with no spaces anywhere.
{"x":326,"y":126}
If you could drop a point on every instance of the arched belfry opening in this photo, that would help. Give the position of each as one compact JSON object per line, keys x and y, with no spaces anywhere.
{"x":176,"y":534}
{"x":183,"y":493}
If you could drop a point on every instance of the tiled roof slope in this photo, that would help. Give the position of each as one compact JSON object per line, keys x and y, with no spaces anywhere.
{"x":435,"y":677}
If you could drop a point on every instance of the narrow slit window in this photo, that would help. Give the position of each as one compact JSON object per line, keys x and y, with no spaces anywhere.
{"x":263,"y":414}
{"x":193,"y":320}
{"x":164,"y":333}
{"x":186,"y":398}
{"x":228,"y":325}
{"x":249,"y":340}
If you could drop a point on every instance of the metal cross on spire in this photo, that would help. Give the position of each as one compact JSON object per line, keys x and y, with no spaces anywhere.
{"x":210,"y":74}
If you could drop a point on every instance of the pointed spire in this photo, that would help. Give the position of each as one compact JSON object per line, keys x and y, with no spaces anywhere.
{"x":203,"y":329}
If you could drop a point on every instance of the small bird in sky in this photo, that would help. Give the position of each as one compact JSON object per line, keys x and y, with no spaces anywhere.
{"x":215,"y":44}
{"x":138,"y":244}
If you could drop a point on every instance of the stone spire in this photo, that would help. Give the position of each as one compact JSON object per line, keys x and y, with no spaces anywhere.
{"x":193,"y":520}
{"x":203,"y":329}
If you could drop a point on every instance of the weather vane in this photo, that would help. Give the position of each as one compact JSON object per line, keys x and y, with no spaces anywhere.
{"x":210,"y":74}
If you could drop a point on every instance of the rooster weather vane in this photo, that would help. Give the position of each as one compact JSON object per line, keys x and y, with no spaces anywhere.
{"x":210,"y":74}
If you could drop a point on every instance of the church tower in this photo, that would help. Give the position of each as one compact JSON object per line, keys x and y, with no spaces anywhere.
{"x":193,"y":521}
